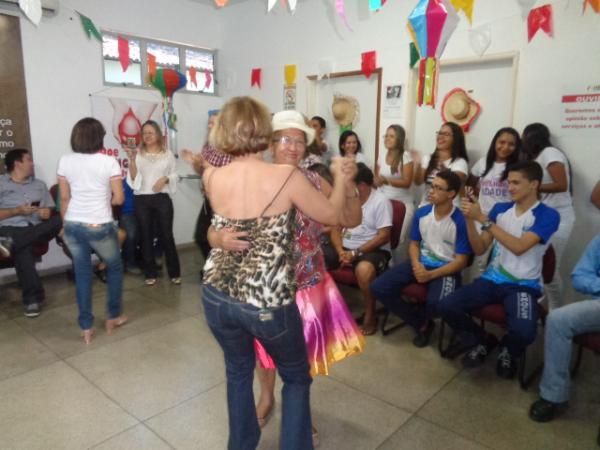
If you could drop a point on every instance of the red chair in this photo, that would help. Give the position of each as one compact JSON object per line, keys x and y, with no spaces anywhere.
{"x":497,"y":315}
{"x":590,"y":341}
{"x":345,"y":275}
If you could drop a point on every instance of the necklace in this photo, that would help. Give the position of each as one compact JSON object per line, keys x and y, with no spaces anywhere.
{"x":153,"y":157}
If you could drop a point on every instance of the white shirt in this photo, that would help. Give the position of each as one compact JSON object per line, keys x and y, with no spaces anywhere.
{"x":376,"y":214}
{"x":89,"y":177}
{"x":458,"y":165}
{"x":492,"y":189}
{"x":558,"y":200}
{"x":150,"y":168}
{"x":395,"y":193}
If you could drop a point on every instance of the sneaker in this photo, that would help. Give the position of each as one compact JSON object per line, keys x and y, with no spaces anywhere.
{"x":506,"y":366}
{"x":5,"y":246}
{"x":544,"y":411}
{"x":477,"y":355}
{"x":32,"y":310}
{"x":422,"y":338}
{"x":176,"y":280}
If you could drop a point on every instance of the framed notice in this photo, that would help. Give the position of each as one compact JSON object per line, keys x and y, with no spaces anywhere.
{"x":14,"y":118}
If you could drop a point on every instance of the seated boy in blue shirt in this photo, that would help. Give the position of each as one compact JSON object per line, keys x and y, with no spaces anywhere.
{"x":439,"y":250}
{"x":520,"y":232}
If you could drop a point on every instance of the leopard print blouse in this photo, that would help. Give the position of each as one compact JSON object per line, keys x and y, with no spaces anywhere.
{"x":263,"y":275}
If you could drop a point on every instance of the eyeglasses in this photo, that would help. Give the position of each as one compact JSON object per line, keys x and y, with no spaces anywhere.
{"x":438,"y":188}
{"x":443,"y":133}
{"x":286,"y":140}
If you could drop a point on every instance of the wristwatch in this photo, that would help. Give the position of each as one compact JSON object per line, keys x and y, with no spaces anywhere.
{"x":485,"y":226}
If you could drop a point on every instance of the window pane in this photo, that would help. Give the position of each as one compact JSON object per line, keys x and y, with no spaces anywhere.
{"x":113,"y":72}
{"x":202,"y":61}
{"x":167,"y":56}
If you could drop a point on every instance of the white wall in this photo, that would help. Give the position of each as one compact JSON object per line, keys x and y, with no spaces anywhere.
{"x":62,"y":67}
{"x":548,"y":67}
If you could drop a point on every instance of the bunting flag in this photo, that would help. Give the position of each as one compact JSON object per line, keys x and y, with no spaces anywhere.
{"x":290,"y":74}
{"x":221,"y":3}
{"x":292,"y":4}
{"x":368,"y":63}
{"x":193,"y":71}
{"x":255,"y":77}
{"x":340,"y":7}
{"x":32,"y":9}
{"x":540,"y":18}
{"x":123,"y":53}
{"x":89,"y":27}
{"x":414,"y":54}
{"x":466,"y":6}
{"x":480,"y":39}
{"x":271,"y":4}
{"x":525,"y":6}
{"x":208,"y":79}
{"x":595,"y":4}
{"x":375,"y":5}
{"x":151,"y":64}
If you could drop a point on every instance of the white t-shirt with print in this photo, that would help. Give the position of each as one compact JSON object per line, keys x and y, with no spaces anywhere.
{"x":458,"y":165}
{"x":89,"y":177}
{"x":492,"y":189}
{"x":376,"y":214}
{"x":558,"y":200}
{"x":395,"y":193}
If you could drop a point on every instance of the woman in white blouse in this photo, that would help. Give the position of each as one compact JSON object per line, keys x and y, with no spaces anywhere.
{"x":394,"y":176}
{"x":152,"y":177}
{"x":555,"y":192}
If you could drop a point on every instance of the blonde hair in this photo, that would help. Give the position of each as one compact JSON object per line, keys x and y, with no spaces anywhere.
{"x":243,"y":127}
{"x":158,"y":131}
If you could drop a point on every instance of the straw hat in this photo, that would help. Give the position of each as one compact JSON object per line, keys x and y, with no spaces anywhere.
{"x":459,"y":108}
{"x":284,"y":120}
{"x":345,"y":110}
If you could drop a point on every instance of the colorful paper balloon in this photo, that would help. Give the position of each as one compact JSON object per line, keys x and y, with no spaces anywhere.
{"x":167,"y":81}
{"x":430,"y":26}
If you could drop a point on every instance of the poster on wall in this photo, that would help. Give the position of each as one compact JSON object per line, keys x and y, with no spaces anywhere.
{"x":289,"y":97}
{"x":14,"y":118}
{"x":123,"y":119}
{"x":392,"y":103}
{"x":580,"y":111}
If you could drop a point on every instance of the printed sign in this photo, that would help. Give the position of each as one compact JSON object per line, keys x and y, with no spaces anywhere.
{"x":580,"y":113}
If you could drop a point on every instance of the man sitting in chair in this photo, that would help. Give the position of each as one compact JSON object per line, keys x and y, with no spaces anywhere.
{"x":366,"y":247}
{"x":561,"y":326}
{"x":439,"y":250}
{"x":25,"y":219}
{"x":521,"y":231}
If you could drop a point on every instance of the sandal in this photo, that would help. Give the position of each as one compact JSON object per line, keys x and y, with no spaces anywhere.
{"x":150,"y":281}
{"x":369,"y":329}
{"x":87,"y":335}
{"x":111,"y":324}
{"x":315,"y":437}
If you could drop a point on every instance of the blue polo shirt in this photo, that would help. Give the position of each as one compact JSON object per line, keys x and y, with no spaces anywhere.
{"x":13,"y":195}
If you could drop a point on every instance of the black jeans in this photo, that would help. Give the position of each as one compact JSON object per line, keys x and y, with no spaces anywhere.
{"x":148,"y":210}
{"x":202,"y":225}
{"x":24,"y":240}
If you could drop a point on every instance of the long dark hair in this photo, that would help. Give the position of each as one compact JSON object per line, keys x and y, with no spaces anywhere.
{"x":459,"y":149}
{"x":344,"y":136}
{"x":536,"y":137}
{"x":398,"y":149}
{"x":514,"y":157}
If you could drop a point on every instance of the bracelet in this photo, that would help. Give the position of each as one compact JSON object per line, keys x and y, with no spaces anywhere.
{"x":356,"y":193}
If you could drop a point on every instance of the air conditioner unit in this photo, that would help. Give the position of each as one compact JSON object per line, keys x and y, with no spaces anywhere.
{"x":49,"y":7}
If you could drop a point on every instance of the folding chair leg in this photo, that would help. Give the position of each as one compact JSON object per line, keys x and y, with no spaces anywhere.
{"x":384,"y":319}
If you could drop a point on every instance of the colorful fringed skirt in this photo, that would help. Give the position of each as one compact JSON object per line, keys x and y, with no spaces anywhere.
{"x":330,"y":331}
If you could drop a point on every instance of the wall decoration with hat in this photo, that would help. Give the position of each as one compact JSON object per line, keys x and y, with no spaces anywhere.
{"x":460,"y":108}
{"x":345,"y":110}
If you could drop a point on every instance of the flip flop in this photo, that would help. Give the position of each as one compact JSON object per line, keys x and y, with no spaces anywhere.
{"x":369,"y":329}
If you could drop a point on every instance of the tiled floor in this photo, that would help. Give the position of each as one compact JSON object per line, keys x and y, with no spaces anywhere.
{"x":158,"y":383}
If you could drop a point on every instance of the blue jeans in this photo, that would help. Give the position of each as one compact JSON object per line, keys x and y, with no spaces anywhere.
{"x":519,"y":303}
{"x":561,"y":326}
{"x":128,"y":222}
{"x":81,"y":238}
{"x":280,"y":331}
{"x":387,"y":287}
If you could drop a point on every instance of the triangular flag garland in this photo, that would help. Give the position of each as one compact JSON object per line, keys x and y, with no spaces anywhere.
{"x":290,"y":74}
{"x":368,"y":63}
{"x":32,"y":9}
{"x":539,"y":18}
{"x":480,"y":39}
{"x":375,"y":5}
{"x":208,"y":79}
{"x":271,"y":4}
{"x":89,"y":27}
{"x":525,"y":6}
{"x":595,"y":4}
{"x":123,"y":45}
{"x":255,"y":77}
{"x":221,"y":3}
{"x":193,"y":71}
{"x":340,"y":7}
{"x":151,"y":64}
{"x":466,"y":6}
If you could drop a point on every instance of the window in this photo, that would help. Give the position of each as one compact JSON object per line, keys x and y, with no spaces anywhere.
{"x":198,"y":64}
